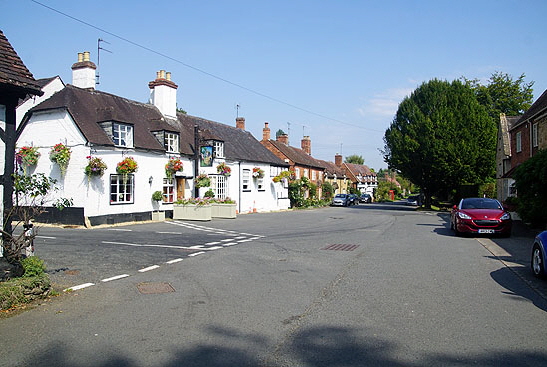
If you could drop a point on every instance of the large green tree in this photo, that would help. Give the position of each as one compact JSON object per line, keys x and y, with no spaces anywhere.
{"x":503,"y":94}
{"x":356,"y":159}
{"x":441,"y":137}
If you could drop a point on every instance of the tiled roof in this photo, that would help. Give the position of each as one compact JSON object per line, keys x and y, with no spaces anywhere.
{"x":332,"y":169}
{"x":89,"y":107}
{"x":14,"y":75}
{"x":298,"y":156}
{"x":360,"y":169}
{"x":239,"y":145}
{"x":539,"y":106}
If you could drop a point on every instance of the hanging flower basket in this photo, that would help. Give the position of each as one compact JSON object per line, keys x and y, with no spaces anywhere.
{"x":282,"y":175}
{"x":202,"y":180}
{"x":60,"y":154}
{"x":127,"y":166}
{"x":173,"y":166}
{"x":258,"y":172}
{"x":95,"y":167}
{"x":224,"y":170}
{"x":27,"y":156}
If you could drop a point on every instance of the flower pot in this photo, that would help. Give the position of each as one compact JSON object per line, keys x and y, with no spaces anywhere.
{"x":192,"y":212}
{"x":223,"y":210}
{"x":158,"y":216}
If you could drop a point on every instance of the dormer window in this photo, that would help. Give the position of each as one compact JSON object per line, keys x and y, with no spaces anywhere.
{"x":172,"y":142}
{"x":122,"y":135}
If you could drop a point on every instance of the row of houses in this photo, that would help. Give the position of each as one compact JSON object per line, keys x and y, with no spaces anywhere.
{"x":519,"y":139}
{"x":120,"y":150}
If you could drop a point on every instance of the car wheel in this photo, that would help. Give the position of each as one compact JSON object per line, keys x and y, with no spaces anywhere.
{"x":453,"y":227}
{"x":537,"y":262}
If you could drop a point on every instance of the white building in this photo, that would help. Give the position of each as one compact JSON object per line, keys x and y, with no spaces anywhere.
{"x":101,"y":125}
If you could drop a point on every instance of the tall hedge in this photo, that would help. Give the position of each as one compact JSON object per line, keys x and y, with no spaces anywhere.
{"x":531,"y":182}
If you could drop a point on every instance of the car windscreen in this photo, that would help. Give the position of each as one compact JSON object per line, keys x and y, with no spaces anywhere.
{"x":480,"y":204}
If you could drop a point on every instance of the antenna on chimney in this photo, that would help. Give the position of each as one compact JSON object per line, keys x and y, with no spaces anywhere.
{"x":237,"y":109}
{"x":99,"y":48}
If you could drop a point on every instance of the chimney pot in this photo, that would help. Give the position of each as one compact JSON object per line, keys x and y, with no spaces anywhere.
{"x":338,"y":160}
{"x":306,"y":144}
{"x":80,"y":56}
{"x":162,"y":74}
{"x":168,"y":75}
{"x":86,"y":55}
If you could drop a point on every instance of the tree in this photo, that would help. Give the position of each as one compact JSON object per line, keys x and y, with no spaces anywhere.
{"x":531,"y":182}
{"x":502,"y":94}
{"x":356,"y":159}
{"x":279,"y":133}
{"x":441,"y":137}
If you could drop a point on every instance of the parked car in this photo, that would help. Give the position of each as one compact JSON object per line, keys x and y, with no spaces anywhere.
{"x":365,"y":198}
{"x":537,"y":262}
{"x":413,"y":200}
{"x":354,"y":200}
{"x":341,"y":200}
{"x":480,"y":216}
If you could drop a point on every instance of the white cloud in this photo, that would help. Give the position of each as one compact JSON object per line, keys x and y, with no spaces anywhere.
{"x":385,"y":103}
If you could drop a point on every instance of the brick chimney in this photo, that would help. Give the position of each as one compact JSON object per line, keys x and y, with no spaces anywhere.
{"x":306,"y":144}
{"x":163,"y":94}
{"x":265,"y":132}
{"x":83,"y":72}
{"x":338,"y":160}
{"x":283,"y":138}
{"x":240,"y":123}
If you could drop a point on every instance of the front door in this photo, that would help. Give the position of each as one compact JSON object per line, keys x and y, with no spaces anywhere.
{"x":181,"y":183}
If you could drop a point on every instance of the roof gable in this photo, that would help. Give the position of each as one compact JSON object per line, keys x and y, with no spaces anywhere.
{"x":539,"y":106}
{"x":298,"y":156}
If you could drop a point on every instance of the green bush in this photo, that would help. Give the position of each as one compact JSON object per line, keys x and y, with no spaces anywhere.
{"x":23,"y":290}
{"x":531,"y":182}
{"x":209,"y":194}
{"x":33,"y":266}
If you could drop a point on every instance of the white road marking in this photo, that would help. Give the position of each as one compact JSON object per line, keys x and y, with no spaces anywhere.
{"x":47,"y":237}
{"x":148,"y":268}
{"x":174,"y":261}
{"x":115,"y":278}
{"x":141,"y":245}
{"x":229,"y":244}
{"x":247,"y":240}
{"x":120,"y":229}
{"x":197,"y":253}
{"x":81,"y":286}
{"x":169,"y":232}
{"x":212,"y":243}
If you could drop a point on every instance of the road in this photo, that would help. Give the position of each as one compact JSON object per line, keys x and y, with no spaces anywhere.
{"x":378,"y":285}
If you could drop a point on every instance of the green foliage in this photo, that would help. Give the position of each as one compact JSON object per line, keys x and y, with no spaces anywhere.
{"x":209,"y":194}
{"x":296,"y":193}
{"x":157,"y":196}
{"x":531,"y":182}
{"x":488,"y":189}
{"x":19,"y":291}
{"x":312,"y":190}
{"x":327,"y":190}
{"x":279,"y":133}
{"x":353,"y":190}
{"x":356,"y":159}
{"x":502,"y":94}
{"x":33,"y":266}
{"x":441,"y":137}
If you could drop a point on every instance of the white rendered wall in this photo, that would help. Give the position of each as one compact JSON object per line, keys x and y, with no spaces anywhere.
{"x":83,"y":77}
{"x":165,"y":99}
{"x":49,"y":89}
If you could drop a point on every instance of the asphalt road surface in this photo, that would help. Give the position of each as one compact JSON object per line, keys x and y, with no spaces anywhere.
{"x":370,"y":285}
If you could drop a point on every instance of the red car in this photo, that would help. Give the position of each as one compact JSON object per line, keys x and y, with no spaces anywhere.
{"x":480,"y":216}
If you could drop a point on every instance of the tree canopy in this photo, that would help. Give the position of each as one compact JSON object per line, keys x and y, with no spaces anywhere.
{"x":502,"y":94}
{"x":441,"y":137}
{"x":356,"y":159}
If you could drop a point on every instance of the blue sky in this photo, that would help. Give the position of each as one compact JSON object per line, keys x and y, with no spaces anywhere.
{"x":334,"y":70}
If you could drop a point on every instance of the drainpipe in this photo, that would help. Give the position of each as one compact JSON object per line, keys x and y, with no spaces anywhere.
{"x":239,"y":189}
{"x":196,"y":159}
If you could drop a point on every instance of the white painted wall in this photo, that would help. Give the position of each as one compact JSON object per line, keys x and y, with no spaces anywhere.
{"x":49,"y":89}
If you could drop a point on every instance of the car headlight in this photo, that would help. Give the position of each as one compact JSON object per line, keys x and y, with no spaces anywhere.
{"x":463,"y":215}
{"x":506,"y":216}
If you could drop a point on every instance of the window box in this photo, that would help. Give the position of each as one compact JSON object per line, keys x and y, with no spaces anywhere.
{"x":192,"y":212}
{"x":219,"y":210}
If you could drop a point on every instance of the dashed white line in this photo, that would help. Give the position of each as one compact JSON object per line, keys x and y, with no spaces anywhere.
{"x":81,"y":286}
{"x":120,"y":229}
{"x":115,"y":278}
{"x":174,"y":261}
{"x":212,"y":243}
{"x":196,"y":253}
{"x":47,"y":237}
{"x":149,"y":268}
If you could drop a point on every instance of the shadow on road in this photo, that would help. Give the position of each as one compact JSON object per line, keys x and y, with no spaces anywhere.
{"x":311,"y":347}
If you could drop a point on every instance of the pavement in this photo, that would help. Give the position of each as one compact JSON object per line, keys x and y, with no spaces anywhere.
{"x":515,"y":252}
